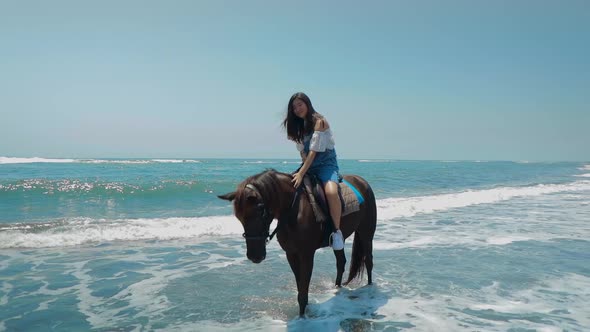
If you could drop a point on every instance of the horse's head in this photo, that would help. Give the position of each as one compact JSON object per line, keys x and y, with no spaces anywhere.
{"x":252,"y":207}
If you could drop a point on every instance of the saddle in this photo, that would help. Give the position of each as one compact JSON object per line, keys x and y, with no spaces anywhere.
{"x":350,"y":198}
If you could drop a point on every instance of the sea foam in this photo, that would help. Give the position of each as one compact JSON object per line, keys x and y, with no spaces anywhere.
{"x":85,"y":231}
{"x":14,"y":160}
{"x":392,"y":208}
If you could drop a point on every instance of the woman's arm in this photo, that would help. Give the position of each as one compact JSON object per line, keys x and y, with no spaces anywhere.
{"x":320,"y":125}
{"x":303,"y":156}
{"x":298,"y":177}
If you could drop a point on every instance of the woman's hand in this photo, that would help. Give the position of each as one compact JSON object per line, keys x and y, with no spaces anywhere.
{"x":298,"y":176}
{"x":297,"y":179}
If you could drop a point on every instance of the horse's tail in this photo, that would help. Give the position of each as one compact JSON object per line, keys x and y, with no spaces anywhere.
{"x":360,"y":249}
{"x":357,"y":266}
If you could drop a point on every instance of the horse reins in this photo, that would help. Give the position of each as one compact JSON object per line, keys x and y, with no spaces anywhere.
{"x":267,"y":216}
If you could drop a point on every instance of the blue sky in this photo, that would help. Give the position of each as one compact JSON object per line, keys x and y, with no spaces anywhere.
{"x":483,"y":80}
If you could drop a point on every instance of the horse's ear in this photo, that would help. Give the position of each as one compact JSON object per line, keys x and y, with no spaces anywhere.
{"x":228,"y":197}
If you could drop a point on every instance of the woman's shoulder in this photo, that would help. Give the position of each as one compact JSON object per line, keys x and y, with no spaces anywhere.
{"x":321,"y":124}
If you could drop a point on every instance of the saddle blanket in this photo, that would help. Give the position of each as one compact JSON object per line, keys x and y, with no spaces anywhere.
{"x":350,"y":197}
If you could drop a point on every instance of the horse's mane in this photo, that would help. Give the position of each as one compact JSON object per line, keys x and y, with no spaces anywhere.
{"x":267,"y":183}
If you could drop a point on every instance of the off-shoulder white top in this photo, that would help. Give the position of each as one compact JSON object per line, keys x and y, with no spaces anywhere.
{"x":320,"y":141}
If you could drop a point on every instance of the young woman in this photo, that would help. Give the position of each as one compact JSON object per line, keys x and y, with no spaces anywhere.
{"x":311,"y":131}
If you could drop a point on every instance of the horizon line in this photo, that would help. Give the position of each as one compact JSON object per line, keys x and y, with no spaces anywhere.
{"x":384,"y":159}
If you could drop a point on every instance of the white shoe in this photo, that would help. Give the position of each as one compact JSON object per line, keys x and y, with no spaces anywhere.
{"x":337,"y":240}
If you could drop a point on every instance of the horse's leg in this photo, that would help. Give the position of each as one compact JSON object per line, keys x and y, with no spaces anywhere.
{"x":305,"y":269}
{"x":294,"y":263}
{"x":295,"y":267}
{"x":340,"y":264}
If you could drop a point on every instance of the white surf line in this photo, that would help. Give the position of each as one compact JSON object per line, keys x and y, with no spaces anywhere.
{"x":14,"y":160}
{"x":83,"y":231}
{"x":97,"y":231}
{"x":392,"y":208}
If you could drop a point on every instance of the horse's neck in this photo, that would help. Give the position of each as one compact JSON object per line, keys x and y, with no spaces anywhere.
{"x":297,"y":219}
{"x":287,"y":193}
{"x":302,"y":210}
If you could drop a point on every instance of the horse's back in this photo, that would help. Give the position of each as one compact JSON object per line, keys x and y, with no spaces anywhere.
{"x":359,"y":183}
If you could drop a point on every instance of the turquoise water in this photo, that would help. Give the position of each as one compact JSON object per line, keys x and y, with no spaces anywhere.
{"x":141,"y":245}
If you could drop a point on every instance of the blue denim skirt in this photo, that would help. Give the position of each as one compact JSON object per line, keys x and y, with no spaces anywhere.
{"x":326,"y":174}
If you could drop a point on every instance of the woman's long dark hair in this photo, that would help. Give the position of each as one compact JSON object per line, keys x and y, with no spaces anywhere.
{"x":297,"y":127}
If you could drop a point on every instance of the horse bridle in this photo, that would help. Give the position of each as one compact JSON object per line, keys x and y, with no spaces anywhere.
{"x":266,"y":216}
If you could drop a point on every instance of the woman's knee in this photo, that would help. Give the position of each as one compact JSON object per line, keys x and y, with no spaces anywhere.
{"x":331,"y":188}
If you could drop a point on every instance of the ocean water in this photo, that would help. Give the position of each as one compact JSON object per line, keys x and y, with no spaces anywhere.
{"x":145,"y":245}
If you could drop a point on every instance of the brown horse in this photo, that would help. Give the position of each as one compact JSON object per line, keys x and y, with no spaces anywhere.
{"x":270,"y":195}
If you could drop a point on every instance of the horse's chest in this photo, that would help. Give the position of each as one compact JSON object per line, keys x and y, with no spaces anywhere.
{"x":301,"y":236}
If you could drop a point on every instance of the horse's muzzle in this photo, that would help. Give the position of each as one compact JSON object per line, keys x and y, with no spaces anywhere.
{"x":256,"y":250}
{"x":257,"y":260}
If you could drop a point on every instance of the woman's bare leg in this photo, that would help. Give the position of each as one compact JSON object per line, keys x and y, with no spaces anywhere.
{"x":331,"y":189}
